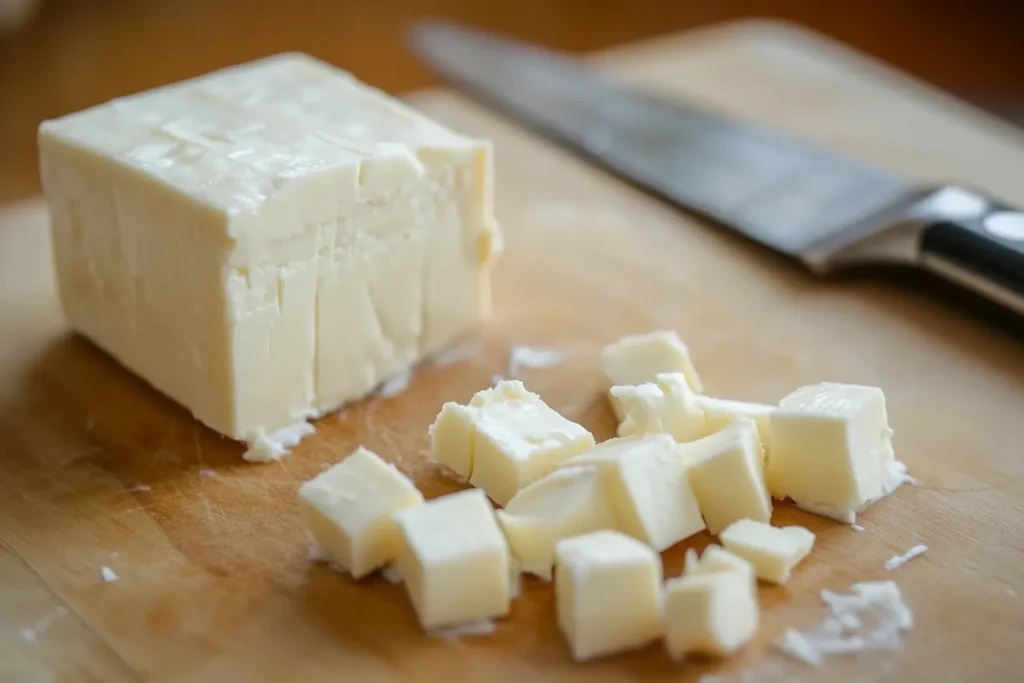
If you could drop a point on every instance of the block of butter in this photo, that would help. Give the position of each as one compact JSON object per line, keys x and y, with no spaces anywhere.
{"x":832,"y":450}
{"x":505,"y":439}
{"x":773,"y":551}
{"x":711,"y":613}
{"x":638,"y":358}
{"x":607,"y":593}
{"x":454,"y":560}
{"x":567,"y":502}
{"x":348,"y":510}
{"x":264,"y":243}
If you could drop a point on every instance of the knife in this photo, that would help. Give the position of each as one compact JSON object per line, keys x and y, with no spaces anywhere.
{"x":825,"y":210}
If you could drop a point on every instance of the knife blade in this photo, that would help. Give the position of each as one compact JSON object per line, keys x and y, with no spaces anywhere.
{"x":824,"y":209}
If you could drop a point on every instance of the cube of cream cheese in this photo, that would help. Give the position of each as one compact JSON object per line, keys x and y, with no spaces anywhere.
{"x":567,"y":502}
{"x":267,"y":242}
{"x":607,"y":593}
{"x":505,"y":439}
{"x":454,"y":560}
{"x":712,"y":613}
{"x":638,"y":358}
{"x":727,"y":475}
{"x":773,"y":551}
{"x":832,"y":450}
{"x":348,"y":510}
{"x":650,"y":488}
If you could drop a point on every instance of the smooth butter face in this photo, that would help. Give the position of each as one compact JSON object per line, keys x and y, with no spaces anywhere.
{"x":267,"y":242}
{"x":607,"y":593}
{"x":348,"y":510}
{"x":831,"y":449}
{"x":711,"y":614}
{"x":650,"y":488}
{"x":454,"y":560}
{"x":565,"y":503}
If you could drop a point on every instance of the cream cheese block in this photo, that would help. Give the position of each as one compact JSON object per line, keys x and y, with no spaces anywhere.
{"x":565,"y":503}
{"x":454,"y":561}
{"x":267,"y":242}
{"x":832,"y":450}
{"x":638,"y":358}
{"x":607,"y":593}
{"x":773,"y":551}
{"x":650,"y":488}
{"x":348,"y":510}
{"x":505,"y":439}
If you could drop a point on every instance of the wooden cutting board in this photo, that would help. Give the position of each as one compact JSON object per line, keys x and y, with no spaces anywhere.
{"x":96,"y":469}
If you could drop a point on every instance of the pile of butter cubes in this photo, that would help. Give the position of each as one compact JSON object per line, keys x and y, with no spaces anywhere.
{"x":595,"y":516}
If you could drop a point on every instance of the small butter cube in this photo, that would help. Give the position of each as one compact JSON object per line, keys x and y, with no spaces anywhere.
{"x":712,"y":613}
{"x":647,"y":479}
{"x":638,"y":358}
{"x":666,"y":406}
{"x":832,"y":450}
{"x":505,"y":439}
{"x":773,"y":551}
{"x":727,"y":474}
{"x":348,"y":510}
{"x":454,"y":560}
{"x":451,"y":439}
{"x":565,"y":503}
{"x":719,"y":413}
{"x":607,"y":591}
{"x":717,"y":559}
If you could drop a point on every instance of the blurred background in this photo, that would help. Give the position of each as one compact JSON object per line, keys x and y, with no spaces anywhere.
{"x":58,"y":56}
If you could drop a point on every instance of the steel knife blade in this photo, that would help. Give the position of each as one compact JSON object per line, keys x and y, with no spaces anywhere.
{"x":819,"y":207}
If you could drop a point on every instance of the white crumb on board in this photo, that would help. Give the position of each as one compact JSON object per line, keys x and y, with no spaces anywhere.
{"x":395,"y":384}
{"x":207,"y":473}
{"x":391,"y":574}
{"x":472,"y":628}
{"x":898,"y":561}
{"x":269,"y":447}
{"x":31,"y":633}
{"x":140,"y":488}
{"x":872,"y":617}
{"x":522,"y":357}
{"x":455,"y":354}
{"x":108,"y":575}
{"x":856,"y":527}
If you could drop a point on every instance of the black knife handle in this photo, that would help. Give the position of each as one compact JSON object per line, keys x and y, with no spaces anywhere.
{"x":984,"y":254}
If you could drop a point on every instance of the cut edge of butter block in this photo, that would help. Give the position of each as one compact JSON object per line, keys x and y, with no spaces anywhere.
{"x":650,"y":487}
{"x":711,"y":614}
{"x":348,"y":510}
{"x":262,"y":213}
{"x":607,"y":593}
{"x":269,"y":447}
{"x":452,"y":438}
{"x":832,"y":450}
{"x":727,"y":475}
{"x":454,"y":560}
{"x":717,"y":559}
{"x":567,"y":502}
{"x":773,"y":551}
{"x":638,"y":358}
{"x":665,"y":406}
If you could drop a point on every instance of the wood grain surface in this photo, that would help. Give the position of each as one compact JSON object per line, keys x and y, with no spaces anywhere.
{"x":96,"y":469}
{"x":78,"y":53}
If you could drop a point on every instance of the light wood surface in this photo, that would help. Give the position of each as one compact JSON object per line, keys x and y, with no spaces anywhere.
{"x":98,"y":470}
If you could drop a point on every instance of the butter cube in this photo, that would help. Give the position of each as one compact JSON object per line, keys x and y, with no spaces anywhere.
{"x":719,"y":413}
{"x":832,"y":450}
{"x":348,"y":510}
{"x":565,"y":503}
{"x":717,"y":559}
{"x":638,"y":358}
{"x":773,"y":551}
{"x":451,"y":439}
{"x":649,"y":486}
{"x":713,"y":613}
{"x":666,"y":406}
{"x":607,"y":592}
{"x":454,"y":560}
{"x":727,"y":474}
{"x":505,"y":439}
{"x":267,"y":242}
